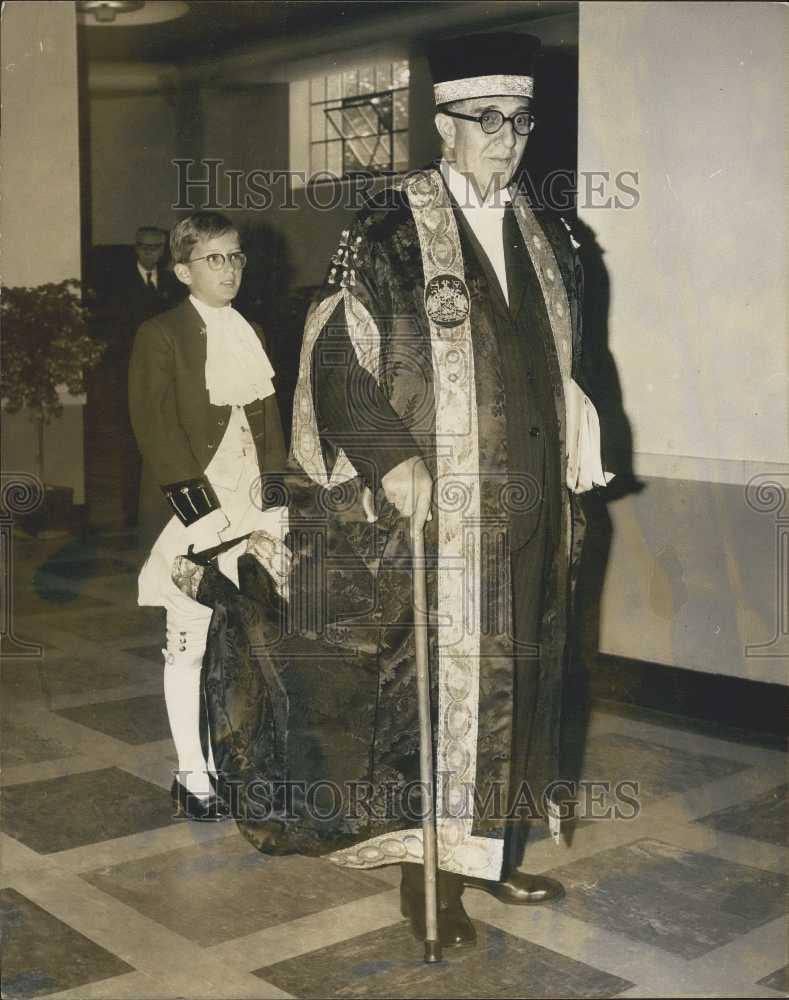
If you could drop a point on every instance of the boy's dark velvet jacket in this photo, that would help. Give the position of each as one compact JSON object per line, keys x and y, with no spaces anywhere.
{"x":177,"y":427}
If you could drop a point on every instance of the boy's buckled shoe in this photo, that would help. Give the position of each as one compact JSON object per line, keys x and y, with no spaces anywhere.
{"x":208,"y":809}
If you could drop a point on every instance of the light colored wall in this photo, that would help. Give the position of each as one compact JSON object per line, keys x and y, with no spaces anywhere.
{"x":40,"y":146}
{"x":692,"y":96}
{"x":695,"y":580}
{"x":132,"y":143}
{"x":40,"y":209}
{"x":247,"y":129}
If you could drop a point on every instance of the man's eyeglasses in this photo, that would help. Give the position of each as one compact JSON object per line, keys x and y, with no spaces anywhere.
{"x":492,"y":121}
{"x":217,"y":261}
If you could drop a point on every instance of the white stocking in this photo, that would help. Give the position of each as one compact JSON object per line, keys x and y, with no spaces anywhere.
{"x":183,"y":660}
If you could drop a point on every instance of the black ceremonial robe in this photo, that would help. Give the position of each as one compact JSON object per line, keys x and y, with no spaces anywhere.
{"x":312,"y":705}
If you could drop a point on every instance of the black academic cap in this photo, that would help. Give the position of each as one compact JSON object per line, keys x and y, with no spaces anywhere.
{"x":486,"y":65}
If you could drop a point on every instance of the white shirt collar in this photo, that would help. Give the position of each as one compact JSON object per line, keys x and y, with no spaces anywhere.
{"x":144,"y":272}
{"x":465,"y":194}
{"x":486,"y":220}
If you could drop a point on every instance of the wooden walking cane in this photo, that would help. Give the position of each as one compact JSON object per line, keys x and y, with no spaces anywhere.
{"x":432,"y":943}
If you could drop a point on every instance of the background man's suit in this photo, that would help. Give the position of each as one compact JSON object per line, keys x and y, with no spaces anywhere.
{"x":121,"y":301}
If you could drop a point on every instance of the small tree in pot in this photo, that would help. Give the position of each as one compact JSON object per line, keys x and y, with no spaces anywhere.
{"x":46,"y":347}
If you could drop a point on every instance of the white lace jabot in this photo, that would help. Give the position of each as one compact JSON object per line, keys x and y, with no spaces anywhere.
{"x":237,"y":369}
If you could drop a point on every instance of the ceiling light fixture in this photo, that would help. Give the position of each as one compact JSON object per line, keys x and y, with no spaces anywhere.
{"x":127,"y":13}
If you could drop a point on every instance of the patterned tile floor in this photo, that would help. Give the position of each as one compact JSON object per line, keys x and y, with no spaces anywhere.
{"x":104,"y":895}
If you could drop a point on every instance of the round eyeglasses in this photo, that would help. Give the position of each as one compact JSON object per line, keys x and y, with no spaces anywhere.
{"x":217,"y":261}
{"x":491,"y":121}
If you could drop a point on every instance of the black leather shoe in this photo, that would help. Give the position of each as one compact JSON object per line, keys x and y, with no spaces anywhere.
{"x":455,"y":928}
{"x":211,"y":809}
{"x":519,"y":889}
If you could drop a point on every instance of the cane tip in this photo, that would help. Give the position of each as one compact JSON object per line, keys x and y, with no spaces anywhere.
{"x":432,"y":951}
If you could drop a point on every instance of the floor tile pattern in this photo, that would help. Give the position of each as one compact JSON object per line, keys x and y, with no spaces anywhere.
{"x":133,"y":720}
{"x":43,"y":955}
{"x":686,"y":902}
{"x":240,"y":890}
{"x":386,"y":963}
{"x":764,"y":818}
{"x":76,"y":809}
{"x":105,"y":896}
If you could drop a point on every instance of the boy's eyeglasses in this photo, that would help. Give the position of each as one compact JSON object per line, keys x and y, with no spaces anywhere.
{"x":492,"y":121}
{"x":217,"y":261}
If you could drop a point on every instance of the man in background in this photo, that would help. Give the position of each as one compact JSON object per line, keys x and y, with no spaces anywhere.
{"x":129,"y":285}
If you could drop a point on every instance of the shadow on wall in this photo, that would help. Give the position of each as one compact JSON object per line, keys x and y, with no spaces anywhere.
{"x":549,"y":175}
{"x":601,"y":378}
{"x":552,"y":152}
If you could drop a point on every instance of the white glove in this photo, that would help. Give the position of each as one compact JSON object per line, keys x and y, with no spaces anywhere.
{"x":409,"y":487}
{"x":584,"y":461}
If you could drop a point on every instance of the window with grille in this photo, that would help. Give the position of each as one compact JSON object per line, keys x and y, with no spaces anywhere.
{"x":359,"y":120}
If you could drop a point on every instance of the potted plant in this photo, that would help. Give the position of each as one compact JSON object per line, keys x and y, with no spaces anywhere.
{"x":46,"y":350}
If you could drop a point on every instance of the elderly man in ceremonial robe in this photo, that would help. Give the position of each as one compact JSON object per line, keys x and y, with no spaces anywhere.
{"x":438,"y":383}
{"x":457,"y":309}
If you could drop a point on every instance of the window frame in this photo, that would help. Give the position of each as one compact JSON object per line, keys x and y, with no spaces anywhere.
{"x":326,"y":176}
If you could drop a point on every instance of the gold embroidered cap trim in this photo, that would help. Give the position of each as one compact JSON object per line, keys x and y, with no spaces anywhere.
{"x":483,"y":86}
